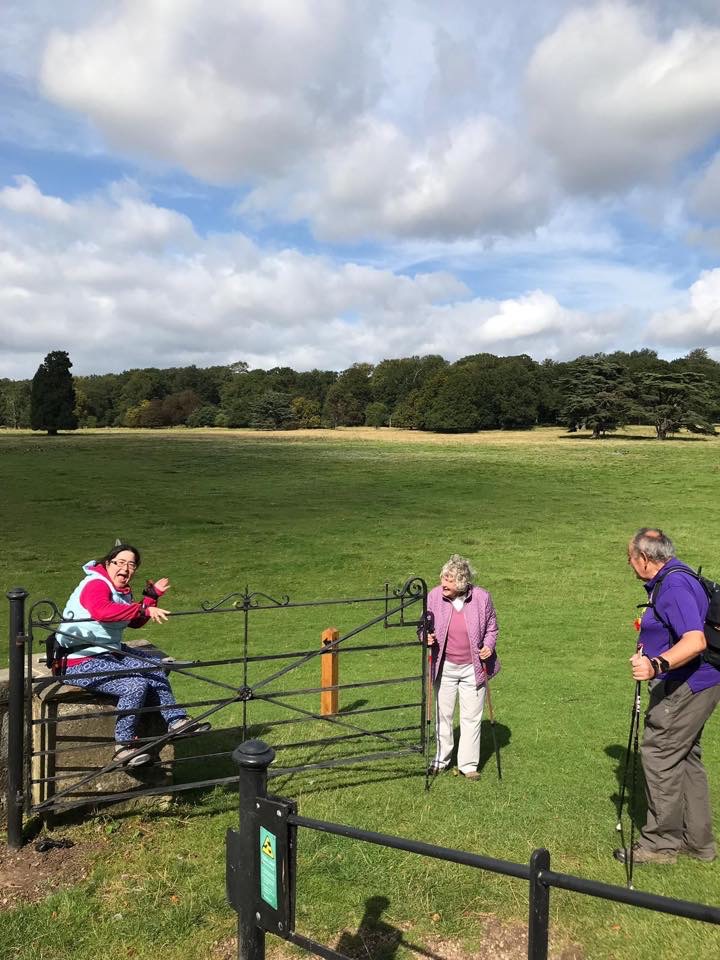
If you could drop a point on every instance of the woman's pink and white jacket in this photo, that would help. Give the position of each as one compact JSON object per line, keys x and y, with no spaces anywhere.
{"x":481,"y":626}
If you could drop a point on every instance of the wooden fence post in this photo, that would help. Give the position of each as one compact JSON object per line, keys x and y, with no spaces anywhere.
{"x":329,"y":673}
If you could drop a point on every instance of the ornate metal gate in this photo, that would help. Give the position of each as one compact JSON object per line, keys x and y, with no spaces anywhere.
{"x":54,"y":729}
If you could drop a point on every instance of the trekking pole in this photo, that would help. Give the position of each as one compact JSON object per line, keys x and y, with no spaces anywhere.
{"x":626,"y":763}
{"x":428,"y":627}
{"x":428,"y":718}
{"x":491,"y":714}
{"x":633,"y":786}
{"x":630,"y":767}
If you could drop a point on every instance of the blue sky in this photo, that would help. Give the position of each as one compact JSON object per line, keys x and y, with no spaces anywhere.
{"x":316,"y":183}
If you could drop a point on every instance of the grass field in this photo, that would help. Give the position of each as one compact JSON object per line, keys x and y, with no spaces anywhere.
{"x":544,"y":517}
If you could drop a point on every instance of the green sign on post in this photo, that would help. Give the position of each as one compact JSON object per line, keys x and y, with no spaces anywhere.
{"x":268,"y":867}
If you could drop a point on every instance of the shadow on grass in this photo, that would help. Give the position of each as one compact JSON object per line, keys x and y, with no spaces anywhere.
{"x":489,"y":752}
{"x":634,"y":804}
{"x":204,"y":776}
{"x":492,"y":743}
{"x":632,"y":438}
{"x":374,"y":938}
{"x":215,"y":763}
{"x":355,"y":705}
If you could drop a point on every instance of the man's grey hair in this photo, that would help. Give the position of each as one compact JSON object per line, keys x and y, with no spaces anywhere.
{"x":459,"y":568}
{"x":654,"y":543}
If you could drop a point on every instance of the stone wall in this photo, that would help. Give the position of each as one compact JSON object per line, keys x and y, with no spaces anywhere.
{"x":75,"y":747}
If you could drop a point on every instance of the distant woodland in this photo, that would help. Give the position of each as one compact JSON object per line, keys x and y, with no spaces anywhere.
{"x":599,"y":393}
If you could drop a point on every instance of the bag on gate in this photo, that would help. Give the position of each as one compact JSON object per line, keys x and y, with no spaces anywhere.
{"x":711,"y":654}
{"x":55,"y":656}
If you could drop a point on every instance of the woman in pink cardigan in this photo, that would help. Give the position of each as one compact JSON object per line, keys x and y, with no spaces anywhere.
{"x":463,"y":658}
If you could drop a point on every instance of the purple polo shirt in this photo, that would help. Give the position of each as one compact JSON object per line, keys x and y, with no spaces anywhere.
{"x":682,"y":603}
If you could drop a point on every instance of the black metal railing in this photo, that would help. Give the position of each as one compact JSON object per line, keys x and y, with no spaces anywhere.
{"x":261,"y":869}
{"x":36,"y":742}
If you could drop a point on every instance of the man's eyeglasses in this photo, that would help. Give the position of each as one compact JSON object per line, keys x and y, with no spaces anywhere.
{"x":130,"y":564}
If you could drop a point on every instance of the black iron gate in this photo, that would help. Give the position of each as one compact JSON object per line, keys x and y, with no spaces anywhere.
{"x":391,"y":719}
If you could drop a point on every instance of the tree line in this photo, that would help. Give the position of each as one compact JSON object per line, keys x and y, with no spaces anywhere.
{"x":599,"y":393}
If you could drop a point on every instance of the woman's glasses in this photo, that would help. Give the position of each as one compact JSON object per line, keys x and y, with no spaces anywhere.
{"x":130,"y":564}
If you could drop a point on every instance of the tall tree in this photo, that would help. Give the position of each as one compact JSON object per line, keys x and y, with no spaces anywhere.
{"x":52,"y":400}
{"x":677,"y":400}
{"x":306,"y":413}
{"x":447,"y":401}
{"x":272,"y":410}
{"x":598,"y":395}
{"x":376,"y":414}
{"x":347,"y":398}
{"x":15,"y":403}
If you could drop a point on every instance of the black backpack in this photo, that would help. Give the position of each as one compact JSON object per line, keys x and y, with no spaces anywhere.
{"x":711,"y":654}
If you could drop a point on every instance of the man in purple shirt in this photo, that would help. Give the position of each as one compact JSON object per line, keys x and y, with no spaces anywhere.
{"x":684,"y":691}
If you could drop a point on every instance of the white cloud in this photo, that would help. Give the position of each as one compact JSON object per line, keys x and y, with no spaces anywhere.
{"x":615,"y":103}
{"x":704,"y":200}
{"x":512,"y":177}
{"x":473,"y":179}
{"x":25,"y":198}
{"x":294,"y":99}
{"x":534,"y":323}
{"x":394,"y":120}
{"x":121,"y":283}
{"x":697,"y":322}
{"x":27,"y":119}
{"x":227,"y":91}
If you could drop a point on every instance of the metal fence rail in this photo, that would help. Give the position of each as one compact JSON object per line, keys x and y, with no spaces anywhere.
{"x":35,"y":741}
{"x":261,"y":869}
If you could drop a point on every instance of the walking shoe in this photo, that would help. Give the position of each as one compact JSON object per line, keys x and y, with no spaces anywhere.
{"x":470,"y":775}
{"x":131,"y":756}
{"x":697,"y":854}
{"x":641,"y":855}
{"x":187,"y":727}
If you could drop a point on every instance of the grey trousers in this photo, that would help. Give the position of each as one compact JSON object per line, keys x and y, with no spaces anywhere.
{"x":676,"y":786}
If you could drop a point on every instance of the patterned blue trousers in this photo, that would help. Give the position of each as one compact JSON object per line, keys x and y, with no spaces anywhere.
{"x":133,"y":692}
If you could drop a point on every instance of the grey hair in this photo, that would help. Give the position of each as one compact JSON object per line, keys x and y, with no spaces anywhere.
{"x":654,"y":543}
{"x":459,"y":568}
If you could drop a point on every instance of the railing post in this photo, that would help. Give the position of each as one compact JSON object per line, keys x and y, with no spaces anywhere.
{"x":329,"y":673}
{"x":539,"y":922}
{"x":16,"y":716}
{"x":253,"y":759}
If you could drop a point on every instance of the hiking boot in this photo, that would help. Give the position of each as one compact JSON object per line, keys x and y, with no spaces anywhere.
{"x":187,"y":727}
{"x":697,"y":854}
{"x":131,"y":756}
{"x":641,"y":855}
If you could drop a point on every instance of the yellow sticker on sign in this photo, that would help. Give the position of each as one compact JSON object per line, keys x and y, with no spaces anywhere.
{"x":268,"y":868}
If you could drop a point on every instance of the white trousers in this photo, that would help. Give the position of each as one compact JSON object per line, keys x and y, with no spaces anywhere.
{"x":458,"y":679}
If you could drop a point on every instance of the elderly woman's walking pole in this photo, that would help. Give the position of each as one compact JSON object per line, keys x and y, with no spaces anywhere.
{"x":428,"y":626}
{"x":491,"y":714}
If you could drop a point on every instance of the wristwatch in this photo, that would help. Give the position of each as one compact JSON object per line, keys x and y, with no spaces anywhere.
{"x":663,"y":664}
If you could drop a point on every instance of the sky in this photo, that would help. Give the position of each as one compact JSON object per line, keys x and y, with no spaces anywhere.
{"x":317,"y":183}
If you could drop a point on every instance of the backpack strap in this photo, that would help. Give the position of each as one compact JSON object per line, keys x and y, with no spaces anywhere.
{"x":652,"y":602}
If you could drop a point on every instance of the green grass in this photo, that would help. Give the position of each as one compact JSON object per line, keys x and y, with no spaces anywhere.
{"x":546,"y":522}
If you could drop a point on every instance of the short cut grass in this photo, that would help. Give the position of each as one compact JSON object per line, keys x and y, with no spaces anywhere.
{"x":547,"y":519}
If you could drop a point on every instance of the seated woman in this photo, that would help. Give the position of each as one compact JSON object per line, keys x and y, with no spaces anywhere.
{"x":95,"y":645}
